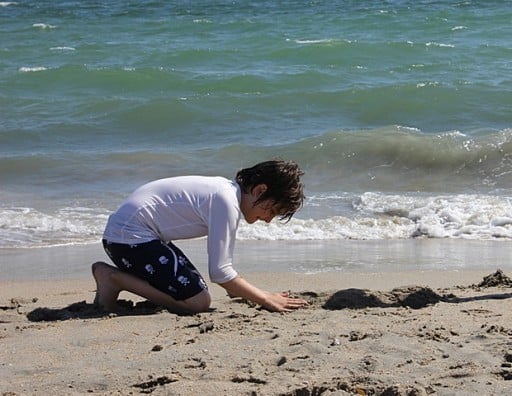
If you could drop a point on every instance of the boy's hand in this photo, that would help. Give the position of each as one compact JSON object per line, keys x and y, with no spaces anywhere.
{"x":278,"y":302}
{"x":282,"y":302}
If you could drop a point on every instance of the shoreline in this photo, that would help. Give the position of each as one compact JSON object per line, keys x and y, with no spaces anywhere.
{"x":301,"y":257}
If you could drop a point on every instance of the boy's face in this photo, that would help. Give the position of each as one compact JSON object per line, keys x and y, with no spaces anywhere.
{"x":264,"y":211}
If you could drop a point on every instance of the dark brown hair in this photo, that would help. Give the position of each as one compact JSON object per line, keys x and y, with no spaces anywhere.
{"x":284,"y":186}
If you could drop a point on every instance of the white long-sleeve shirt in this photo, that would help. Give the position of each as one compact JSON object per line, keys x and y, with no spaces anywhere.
{"x":181,"y":208}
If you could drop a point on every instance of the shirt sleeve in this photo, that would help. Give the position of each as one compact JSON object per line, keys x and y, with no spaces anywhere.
{"x":223,"y":223}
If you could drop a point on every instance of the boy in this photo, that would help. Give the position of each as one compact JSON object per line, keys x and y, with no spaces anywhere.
{"x":138,"y":236}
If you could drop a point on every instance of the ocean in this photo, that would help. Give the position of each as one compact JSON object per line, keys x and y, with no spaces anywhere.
{"x":398,"y":112}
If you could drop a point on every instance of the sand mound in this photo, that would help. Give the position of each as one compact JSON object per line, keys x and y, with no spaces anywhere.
{"x":415,"y":297}
{"x":496,"y":279}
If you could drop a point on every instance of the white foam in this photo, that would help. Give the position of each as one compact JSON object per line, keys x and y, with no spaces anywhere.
{"x":332,"y":228}
{"x":43,"y":26}
{"x":319,"y":41}
{"x":26,"y":69}
{"x":451,"y":216}
{"x":383,"y":216}
{"x":371,"y":216}
{"x":28,"y":227}
{"x":62,"y":49}
{"x":7,"y":3}
{"x":434,"y":44}
{"x":428,"y":84}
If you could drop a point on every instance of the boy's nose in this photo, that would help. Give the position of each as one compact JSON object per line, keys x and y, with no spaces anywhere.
{"x":269,"y":218}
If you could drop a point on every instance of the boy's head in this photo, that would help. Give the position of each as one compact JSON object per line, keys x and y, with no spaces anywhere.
{"x":283,"y":185}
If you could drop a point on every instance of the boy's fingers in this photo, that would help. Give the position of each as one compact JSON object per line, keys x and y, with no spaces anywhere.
{"x":296,"y":302}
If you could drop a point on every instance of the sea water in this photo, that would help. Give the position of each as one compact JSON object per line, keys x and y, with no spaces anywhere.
{"x":398,"y":112}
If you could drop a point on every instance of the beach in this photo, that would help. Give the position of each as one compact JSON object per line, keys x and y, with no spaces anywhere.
{"x":441,"y":332}
{"x":399,"y":115}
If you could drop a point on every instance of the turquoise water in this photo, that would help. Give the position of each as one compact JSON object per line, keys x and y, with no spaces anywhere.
{"x":398,"y":111}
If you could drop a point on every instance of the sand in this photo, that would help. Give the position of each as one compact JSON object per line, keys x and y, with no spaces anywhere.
{"x":409,"y":333}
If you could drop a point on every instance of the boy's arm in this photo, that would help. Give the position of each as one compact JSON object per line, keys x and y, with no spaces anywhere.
{"x":239,"y":287}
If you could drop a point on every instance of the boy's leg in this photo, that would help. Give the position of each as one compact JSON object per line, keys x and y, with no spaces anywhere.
{"x":111,"y":281}
{"x":106,"y":292}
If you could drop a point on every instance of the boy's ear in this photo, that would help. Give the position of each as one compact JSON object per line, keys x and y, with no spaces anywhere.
{"x":259,"y":189}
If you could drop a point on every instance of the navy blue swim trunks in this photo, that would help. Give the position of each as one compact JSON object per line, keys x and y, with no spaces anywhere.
{"x":161,"y":264}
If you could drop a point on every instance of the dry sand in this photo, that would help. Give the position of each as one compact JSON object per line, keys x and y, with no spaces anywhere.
{"x":417,"y":333}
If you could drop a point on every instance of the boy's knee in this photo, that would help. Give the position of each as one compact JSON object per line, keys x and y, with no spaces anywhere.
{"x":101,"y":269}
{"x":200,"y":302}
{"x":98,"y":264}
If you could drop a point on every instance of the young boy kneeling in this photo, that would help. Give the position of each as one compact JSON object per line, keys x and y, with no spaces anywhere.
{"x":138,"y":236}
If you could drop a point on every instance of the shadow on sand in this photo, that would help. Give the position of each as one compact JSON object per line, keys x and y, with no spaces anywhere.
{"x":83,"y":310}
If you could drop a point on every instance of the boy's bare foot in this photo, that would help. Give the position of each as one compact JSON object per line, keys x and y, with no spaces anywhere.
{"x":106,"y":290}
